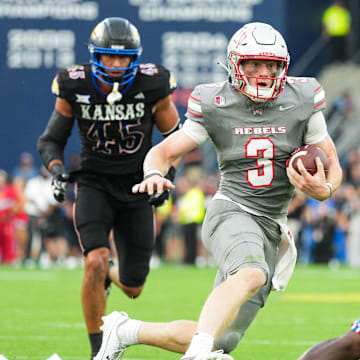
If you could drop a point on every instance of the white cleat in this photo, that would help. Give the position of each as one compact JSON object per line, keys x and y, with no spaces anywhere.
{"x":111,"y":347}
{"x":216,"y":355}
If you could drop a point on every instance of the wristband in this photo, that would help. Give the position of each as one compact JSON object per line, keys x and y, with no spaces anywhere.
{"x":56,"y":167}
{"x":152,"y":173}
{"x":331,"y":187}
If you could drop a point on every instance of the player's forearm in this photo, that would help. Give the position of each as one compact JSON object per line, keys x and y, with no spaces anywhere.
{"x":52,"y":141}
{"x":50,"y":151}
{"x":157,"y":159}
{"x":334,"y":175}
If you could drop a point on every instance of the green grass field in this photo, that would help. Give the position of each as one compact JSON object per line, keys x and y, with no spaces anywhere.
{"x":41,"y":313}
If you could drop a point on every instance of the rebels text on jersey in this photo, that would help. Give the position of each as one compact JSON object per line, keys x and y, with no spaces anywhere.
{"x":115,"y":138}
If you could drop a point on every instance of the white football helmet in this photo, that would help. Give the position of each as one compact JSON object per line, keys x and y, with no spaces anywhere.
{"x":262,"y":42}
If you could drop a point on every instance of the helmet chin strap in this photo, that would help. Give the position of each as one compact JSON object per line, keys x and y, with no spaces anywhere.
{"x":115,"y":94}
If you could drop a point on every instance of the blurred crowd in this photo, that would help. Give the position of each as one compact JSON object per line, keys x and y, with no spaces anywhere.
{"x":35,"y":230}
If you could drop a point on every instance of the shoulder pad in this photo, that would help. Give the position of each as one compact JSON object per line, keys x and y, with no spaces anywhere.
{"x":311,"y":90}
{"x":155,"y":79}
{"x":70,"y":78}
{"x":150,"y":69}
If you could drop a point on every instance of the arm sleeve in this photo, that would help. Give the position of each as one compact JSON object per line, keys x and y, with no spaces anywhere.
{"x":316,"y":129}
{"x":52,"y":141}
{"x":195,"y":130}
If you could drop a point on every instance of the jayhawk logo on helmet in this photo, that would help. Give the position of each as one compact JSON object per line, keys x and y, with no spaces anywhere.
{"x":98,"y":31}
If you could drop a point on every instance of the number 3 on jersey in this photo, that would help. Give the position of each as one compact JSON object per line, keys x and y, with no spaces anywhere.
{"x":263,"y":151}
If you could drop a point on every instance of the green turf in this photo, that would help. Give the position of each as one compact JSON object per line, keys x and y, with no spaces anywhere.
{"x":41,"y":313}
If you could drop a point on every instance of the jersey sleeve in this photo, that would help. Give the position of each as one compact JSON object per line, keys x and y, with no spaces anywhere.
{"x":168,"y":83}
{"x":318,"y":95}
{"x":67,"y":80}
{"x":316,"y":129}
{"x":58,"y":86}
{"x":194,"y":109}
{"x":195,"y":130}
{"x":159,"y":81}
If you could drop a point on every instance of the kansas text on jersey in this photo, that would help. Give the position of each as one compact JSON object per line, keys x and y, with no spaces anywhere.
{"x":114,"y":138}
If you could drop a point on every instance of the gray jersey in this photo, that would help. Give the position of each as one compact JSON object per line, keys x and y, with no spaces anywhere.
{"x":253,"y":141}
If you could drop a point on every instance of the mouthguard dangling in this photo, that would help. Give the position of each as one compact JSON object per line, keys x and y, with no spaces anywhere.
{"x":115,"y":95}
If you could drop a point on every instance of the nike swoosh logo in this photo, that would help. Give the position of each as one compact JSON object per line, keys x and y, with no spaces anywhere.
{"x":283,"y":108}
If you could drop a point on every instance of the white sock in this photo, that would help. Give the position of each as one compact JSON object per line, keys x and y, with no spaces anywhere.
{"x":128,"y":332}
{"x":201,"y":342}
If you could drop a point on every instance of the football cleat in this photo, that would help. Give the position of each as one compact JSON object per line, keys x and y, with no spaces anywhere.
{"x":215,"y":355}
{"x":112,"y":348}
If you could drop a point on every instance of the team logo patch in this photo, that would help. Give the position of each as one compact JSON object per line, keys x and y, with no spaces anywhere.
{"x":284,"y":108}
{"x":257,"y":112}
{"x":83,"y":99}
{"x":219,"y":100}
{"x":140,"y":95}
{"x":172,"y":82}
{"x":55,"y":86}
{"x":148,"y":69}
{"x":98,"y":31}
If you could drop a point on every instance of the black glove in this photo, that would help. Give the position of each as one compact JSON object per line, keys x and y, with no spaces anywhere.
{"x":159,"y":199}
{"x":59,"y":182}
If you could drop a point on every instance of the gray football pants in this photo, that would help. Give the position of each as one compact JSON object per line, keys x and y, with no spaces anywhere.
{"x":238,"y":240}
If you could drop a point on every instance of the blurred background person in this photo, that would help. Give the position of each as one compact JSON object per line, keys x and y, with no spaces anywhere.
{"x":25,"y":168}
{"x":40,"y":205}
{"x":191,"y":207}
{"x":9,"y":206}
{"x":336,"y":25}
{"x":21,"y":220}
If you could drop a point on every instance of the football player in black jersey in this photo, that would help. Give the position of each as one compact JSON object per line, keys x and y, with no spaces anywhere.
{"x":116,"y":102}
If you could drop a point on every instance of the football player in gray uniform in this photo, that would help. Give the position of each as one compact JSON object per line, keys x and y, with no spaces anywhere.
{"x":256,"y":119}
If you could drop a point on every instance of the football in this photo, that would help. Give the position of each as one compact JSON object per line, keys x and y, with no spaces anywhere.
{"x":308,"y":154}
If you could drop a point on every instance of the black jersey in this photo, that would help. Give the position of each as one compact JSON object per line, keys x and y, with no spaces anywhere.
{"x":114,"y":138}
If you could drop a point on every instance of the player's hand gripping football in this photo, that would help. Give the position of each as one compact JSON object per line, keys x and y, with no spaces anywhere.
{"x":156,"y":186}
{"x":312,"y":185}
